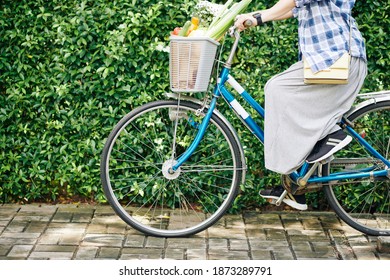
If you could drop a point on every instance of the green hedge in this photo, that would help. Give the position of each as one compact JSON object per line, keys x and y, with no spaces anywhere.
{"x":69,"y":71}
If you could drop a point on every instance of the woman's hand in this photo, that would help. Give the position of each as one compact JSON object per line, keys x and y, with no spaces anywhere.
{"x":241,"y":19}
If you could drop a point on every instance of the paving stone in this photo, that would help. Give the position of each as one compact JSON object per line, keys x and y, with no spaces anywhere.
{"x":238,"y":244}
{"x":320,"y":246}
{"x":141,"y":253}
{"x":20,"y":251}
{"x":268,"y":244}
{"x":5,"y":222}
{"x":17,"y":241}
{"x":4,"y":249}
{"x":174,"y":254}
{"x":196,"y":254}
{"x":66,"y":228}
{"x":35,"y":213}
{"x":109,"y":253}
{"x":21,"y":235}
{"x":269,"y":221}
{"x":104,"y":210}
{"x":283,"y":255}
{"x":261,"y":254}
{"x":275,"y":234}
{"x":254,"y":232}
{"x":69,"y":208}
{"x":331,"y":222}
{"x":218,"y":243}
{"x":54,"y":248}
{"x":184,"y":243}
{"x":364,"y":253}
{"x":86,"y":253}
{"x":223,"y":232}
{"x":312,"y":223}
{"x":109,"y":220}
{"x":9,"y":208}
{"x":153,"y":242}
{"x":358,"y":240}
{"x":32,"y":217}
{"x":383,"y":244}
{"x":110,"y":240}
{"x":82,"y":217}
{"x":315,"y":256}
{"x":135,"y":241}
{"x":345,"y":251}
{"x":71,"y":239}
{"x":96,"y":228}
{"x":250,"y":217}
{"x":62,"y":217}
{"x":292,"y":221}
{"x":36,"y":208}
{"x":51,"y":256}
{"x":384,"y":257}
{"x":117,"y":228}
{"x":50,"y":238}
{"x":36,"y":227}
{"x":235,"y":221}
{"x":312,"y":235}
{"x":304,"y":246}
{"x":16,"y":226}
{"x":223,"y":254}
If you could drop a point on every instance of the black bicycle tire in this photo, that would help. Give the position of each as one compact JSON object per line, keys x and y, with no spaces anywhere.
{"x":156,"y":232}
{"x":333,"y":202}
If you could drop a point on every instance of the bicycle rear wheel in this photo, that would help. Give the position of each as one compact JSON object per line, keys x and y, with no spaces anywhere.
{"x":138,"y":182}
{"x":363,"y":204}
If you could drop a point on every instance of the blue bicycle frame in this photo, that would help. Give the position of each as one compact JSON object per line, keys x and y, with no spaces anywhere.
{"x":221,"y":90}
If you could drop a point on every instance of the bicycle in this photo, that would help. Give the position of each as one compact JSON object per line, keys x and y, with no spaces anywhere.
{"x":172,"y":168}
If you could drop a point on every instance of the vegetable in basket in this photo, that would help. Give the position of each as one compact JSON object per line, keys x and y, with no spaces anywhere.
{"x":225,"y":19}
{"x":213,"y":20}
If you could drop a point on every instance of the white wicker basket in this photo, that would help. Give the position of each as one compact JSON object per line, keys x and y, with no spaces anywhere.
{"x":191,"y":62}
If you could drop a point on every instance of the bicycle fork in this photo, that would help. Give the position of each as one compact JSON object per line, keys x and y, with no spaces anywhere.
{"x":201,"y":132}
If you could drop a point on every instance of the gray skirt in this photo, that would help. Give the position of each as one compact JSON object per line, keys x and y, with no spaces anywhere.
{"x":298,"y":115}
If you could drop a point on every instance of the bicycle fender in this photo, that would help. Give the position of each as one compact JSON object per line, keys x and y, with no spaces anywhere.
{"x":370,"y":98}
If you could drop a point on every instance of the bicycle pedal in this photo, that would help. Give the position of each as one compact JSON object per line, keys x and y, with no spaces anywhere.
{"x":272,"y":200}
{"x":327,"y":160}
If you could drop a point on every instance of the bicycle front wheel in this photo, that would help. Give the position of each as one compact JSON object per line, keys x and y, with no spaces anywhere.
{"x":140,"y":185}
{"x":364,"y":204}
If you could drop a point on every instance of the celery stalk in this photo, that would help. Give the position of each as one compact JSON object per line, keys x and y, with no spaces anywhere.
{"x":227,"y":19}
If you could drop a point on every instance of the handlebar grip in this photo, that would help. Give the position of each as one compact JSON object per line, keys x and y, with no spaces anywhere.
{"x":248,"y":23}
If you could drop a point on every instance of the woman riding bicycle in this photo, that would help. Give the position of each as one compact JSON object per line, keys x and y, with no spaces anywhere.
{"x":301,"y":122}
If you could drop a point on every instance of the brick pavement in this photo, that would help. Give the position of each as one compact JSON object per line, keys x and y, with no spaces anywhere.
{"x":85,"y":232}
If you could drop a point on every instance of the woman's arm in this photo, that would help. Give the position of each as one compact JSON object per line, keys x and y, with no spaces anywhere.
{"x":281,"y":10}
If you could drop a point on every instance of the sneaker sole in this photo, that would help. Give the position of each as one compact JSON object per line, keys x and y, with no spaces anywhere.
{"x":337,"y":148}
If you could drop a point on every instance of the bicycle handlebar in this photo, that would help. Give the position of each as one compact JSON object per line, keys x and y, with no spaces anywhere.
{"x":248,"y":23}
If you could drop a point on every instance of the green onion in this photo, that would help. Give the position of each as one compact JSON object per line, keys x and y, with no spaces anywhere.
{"x":220,"y":14}
{"x":225,"y":19}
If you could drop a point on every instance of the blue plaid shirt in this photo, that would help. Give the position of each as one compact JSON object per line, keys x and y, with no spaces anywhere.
{"x":324,"y":32}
